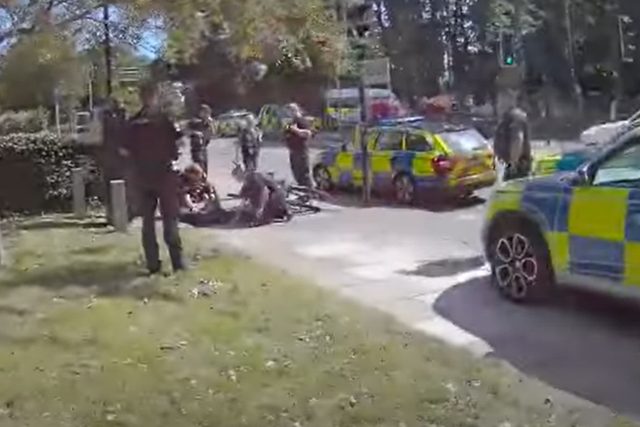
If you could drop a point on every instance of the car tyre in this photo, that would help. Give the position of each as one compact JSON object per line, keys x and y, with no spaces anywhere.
{"x":521,"y":266}
{"x":322,"y":178}
{"x":404,"y":189}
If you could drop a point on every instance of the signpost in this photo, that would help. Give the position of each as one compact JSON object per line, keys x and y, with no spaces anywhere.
{"x":129,"y":75}
{"x":374,"y":72}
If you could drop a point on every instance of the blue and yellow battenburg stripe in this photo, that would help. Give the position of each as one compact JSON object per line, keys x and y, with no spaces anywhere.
{"x":593,"y":231}
{"x":346,"y":167}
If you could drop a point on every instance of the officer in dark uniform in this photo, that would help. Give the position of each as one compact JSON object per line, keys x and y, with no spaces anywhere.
{"x":249,"y":143}
{"x":512,"y":145}
{"x":150,"y":141}
{"x":297,"y":136}
{"x":201,"y":133}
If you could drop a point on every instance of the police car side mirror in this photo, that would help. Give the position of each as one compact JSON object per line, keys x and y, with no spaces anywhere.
{"x":581,"y":177}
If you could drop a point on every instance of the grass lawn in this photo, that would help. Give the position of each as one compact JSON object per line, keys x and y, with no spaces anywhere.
{"x":87,"y":341}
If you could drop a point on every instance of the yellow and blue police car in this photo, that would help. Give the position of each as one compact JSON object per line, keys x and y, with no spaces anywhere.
{"x":273,"y":119}
{"x":409,"y":158}
{"x":579,"y":228}
{"x":228,"y":124}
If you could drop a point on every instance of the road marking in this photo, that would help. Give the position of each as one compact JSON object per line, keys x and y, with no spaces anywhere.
{"x":467,"y":217}
{"x":337,"y":249}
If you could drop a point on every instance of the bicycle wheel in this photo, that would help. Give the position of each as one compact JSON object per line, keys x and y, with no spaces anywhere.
{"x":297,"y":207}
{"x":302,"y":194}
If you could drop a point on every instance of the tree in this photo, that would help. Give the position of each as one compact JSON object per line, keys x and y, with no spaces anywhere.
{"x":123,"y":57}
{"x":38,"y":67}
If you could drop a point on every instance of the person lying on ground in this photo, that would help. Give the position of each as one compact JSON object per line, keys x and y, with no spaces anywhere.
{"x":263,"y":200}
{"x":200,"y":204}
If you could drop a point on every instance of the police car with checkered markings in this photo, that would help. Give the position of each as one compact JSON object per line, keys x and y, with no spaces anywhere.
{"x":579,"y":228}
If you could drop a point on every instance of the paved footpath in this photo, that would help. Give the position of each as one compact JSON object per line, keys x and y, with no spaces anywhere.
{"x":426,"y":269}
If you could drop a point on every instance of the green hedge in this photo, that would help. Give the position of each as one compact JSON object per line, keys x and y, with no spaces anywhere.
{"x":35,"y":172}
{"x":27,"y":121}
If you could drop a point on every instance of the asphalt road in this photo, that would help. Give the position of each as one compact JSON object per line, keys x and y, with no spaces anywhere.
{"x":425,"y":267}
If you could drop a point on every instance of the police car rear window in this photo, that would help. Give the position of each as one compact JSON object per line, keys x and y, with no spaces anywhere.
{"x":464,"y":141}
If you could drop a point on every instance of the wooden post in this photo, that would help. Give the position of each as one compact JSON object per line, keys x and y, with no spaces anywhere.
{"x":366,"y":176}
{"x":79,"y":196}
{"x":120,"y":211}
{"x":3,"y":254}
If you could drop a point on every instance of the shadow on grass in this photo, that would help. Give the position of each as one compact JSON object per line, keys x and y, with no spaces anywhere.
{"x":61,"y":223}
{"x":13,"y":311}
{"x":100,"y":278}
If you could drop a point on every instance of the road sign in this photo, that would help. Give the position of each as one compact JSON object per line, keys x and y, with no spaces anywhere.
{"x":129,"y":74}
{"x":376,"y":72}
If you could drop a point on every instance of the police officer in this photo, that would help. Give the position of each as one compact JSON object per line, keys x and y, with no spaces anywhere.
{"x":512,"y":145}
{"x":297,"y":136}
{"x":201,"y":133}
{"x":249,"y":142}
{"x":150,"y":141}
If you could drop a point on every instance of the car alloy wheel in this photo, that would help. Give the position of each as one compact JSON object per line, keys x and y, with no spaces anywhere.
{"x":404,"y":189}
{"x":515,"y":266}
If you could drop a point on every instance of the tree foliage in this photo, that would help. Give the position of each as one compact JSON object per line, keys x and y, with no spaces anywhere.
{"x":37,"y":67}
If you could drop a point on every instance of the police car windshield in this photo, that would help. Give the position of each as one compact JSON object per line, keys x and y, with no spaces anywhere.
{"x":464,"y":141}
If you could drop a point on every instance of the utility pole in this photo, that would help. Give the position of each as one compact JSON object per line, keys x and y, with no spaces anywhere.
{"x":109,"y":157}
{"x":366,"y":176}
{"x":571,"y":55}
{"x":108,"y":60}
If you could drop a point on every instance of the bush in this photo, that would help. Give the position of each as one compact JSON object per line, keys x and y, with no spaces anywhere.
{"x":27,"y":121}
{"x":35,"y":172}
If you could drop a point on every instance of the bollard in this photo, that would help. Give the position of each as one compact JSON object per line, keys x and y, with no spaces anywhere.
{"x":79,"y":196}
{"x":3,"y":254}
{"x":120,"y":212}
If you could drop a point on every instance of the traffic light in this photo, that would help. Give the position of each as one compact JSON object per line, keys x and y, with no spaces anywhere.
{"x":507,"y":50}
{"x":628,"y":38}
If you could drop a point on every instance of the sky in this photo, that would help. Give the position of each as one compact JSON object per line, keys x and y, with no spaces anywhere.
{"x":150,"y":45}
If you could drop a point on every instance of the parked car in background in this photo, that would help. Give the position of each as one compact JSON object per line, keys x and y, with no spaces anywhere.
{"x":273,"y":118}
{"x":228,"y":124}
{"x":571,"y":159}
{"x":605,"y":132}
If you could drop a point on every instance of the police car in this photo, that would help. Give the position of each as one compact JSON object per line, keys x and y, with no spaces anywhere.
{"x":410,"y":157}
{"x":230,"y":122}
{"x":579,"y":228}
{"x":274,"y":118}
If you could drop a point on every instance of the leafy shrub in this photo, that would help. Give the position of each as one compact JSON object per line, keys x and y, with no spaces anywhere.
{"x":35,"y":172}
{"x":27,"y":121}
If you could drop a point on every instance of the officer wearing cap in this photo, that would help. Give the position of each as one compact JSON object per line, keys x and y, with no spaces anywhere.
{"x":297,"y":136}
{"x":150,"y":141}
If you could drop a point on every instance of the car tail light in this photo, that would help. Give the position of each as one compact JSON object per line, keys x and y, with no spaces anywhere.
{"x":442,"y":165}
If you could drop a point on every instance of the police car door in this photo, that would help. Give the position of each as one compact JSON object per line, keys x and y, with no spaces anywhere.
{"x":388,"y":145}
{"x":604,"y":219}
{"x":420,"y":152}
{"x":371,"y":134}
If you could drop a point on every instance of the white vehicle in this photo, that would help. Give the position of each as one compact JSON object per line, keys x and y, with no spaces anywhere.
{"x":344,"y":104}
{"x":605,"y":132}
